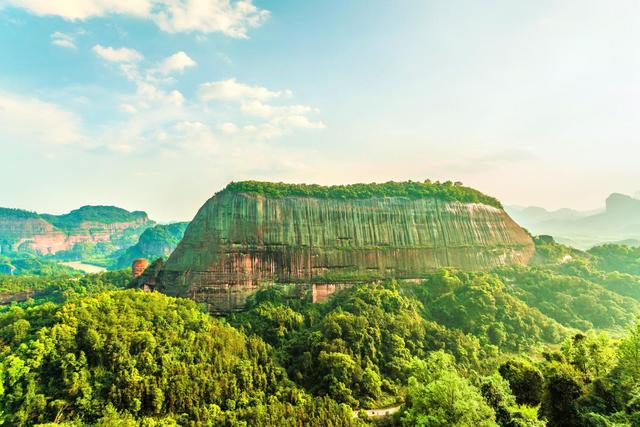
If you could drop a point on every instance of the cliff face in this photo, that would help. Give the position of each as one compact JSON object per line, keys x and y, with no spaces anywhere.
{"x":238,"y":240}
{"x":22,"y":231}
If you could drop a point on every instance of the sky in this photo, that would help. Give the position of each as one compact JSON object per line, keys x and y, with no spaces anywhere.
{"x":156,"y":105}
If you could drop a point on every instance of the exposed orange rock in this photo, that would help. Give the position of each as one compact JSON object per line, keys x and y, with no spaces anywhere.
{"x":139,"y":266}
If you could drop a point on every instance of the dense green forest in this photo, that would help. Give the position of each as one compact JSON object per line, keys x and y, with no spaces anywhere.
{"x":556,"y":344}
{"x":440,"y":190}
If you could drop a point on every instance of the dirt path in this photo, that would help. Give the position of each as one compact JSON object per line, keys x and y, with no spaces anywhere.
{"x":380,"y":412}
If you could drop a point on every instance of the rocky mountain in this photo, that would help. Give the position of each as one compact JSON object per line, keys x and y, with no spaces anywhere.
{"x":259,"y":232}
{"x":157,"y":241}
{"x":619,"y":222}
{"x":89,"y":231}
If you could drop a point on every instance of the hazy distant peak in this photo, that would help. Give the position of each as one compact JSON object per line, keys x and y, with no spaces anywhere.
{"x":618,"y":203}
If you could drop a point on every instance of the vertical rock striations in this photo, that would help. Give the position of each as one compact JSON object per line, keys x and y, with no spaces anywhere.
{"x":238,"y":240}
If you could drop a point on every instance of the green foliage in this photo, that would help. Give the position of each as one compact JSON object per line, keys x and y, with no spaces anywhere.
{"x":563,"y":388}
{"x":620,"y":258}
{"x":586,"y":384}
{"x":27,"y":264}
{"x":415,"y":190}
{"x":9,"y":213}
{"x":459,"y":348}
{"x":101,"y":214}
{"x":358,"y":347}
{"x":629,"y":357}
{"x":525,"y":380}
{"x":481,"y":304}
{"x":496,"y":392}
{"x":569,"y":299}
{"x":34,"y":290}
{"x":439,"y":396}
{"x":548,"y":251}
{"x":120,"y":357}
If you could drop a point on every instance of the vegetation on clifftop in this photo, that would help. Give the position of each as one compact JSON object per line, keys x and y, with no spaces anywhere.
{"x":101,"y":214}
{"x":10,"y":213}
{"x":447,"y":191}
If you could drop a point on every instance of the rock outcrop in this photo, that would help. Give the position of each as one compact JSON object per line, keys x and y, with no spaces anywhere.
{"x":241,"y":239}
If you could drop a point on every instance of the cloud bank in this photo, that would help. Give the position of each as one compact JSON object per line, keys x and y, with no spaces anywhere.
{"x":232,"y":18}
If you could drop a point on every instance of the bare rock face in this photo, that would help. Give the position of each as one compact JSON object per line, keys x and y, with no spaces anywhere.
{"x":239,"y":240}
{"x":138,"y":267}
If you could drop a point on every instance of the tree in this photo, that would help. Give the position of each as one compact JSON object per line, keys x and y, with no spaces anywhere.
{"x":629,"y":355}
{"x":525,"y":380}
{"x":562,"y":390}
{"x":439,"y":396}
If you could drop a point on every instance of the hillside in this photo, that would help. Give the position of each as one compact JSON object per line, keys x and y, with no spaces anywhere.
{"x":157,"y":241}
{"x":87,"y":233}
{"x":256,"y":232}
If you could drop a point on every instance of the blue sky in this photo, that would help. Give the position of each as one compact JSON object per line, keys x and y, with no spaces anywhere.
{"x":157,"y":104}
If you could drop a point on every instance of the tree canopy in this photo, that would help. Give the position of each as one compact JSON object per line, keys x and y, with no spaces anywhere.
{"x":447,"y":191}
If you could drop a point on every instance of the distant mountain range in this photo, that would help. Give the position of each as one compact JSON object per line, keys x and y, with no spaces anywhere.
{"x":106,"y":236}
{"x":619,"y":222}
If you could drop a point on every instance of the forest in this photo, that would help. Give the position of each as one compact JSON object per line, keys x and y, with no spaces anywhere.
{"x":556,"y":343}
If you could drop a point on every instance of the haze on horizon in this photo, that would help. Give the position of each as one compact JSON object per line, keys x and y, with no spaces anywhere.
{"x":155,"y":105}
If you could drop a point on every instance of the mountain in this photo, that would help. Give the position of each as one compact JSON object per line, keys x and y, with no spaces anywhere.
{"x":157,"y":241}
{"x":90,"y":232}
{"x":532,"y":215}
{"x":619,"y":222}
{"x":253,"y":232}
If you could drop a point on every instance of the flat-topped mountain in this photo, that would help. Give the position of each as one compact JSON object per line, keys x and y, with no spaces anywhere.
{"x":253,"y":232}
{"x":80,"y":230}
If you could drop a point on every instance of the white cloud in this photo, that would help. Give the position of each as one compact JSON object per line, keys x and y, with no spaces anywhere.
{"x":176,"y":62}
{"x":297,"y":121}
{"x":231,"y":90}
{"x":224,"y":16}
{"x":84,"y":9}
{"x":257,"y":108}
{"x":122,"y":54}
{"x":29,"y":120}
{"x":63,"y":40}
{"x":229,"y":128}
{"x":279,"y":119}
{"x":232,"y":18}
{"x":149,"y":93}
